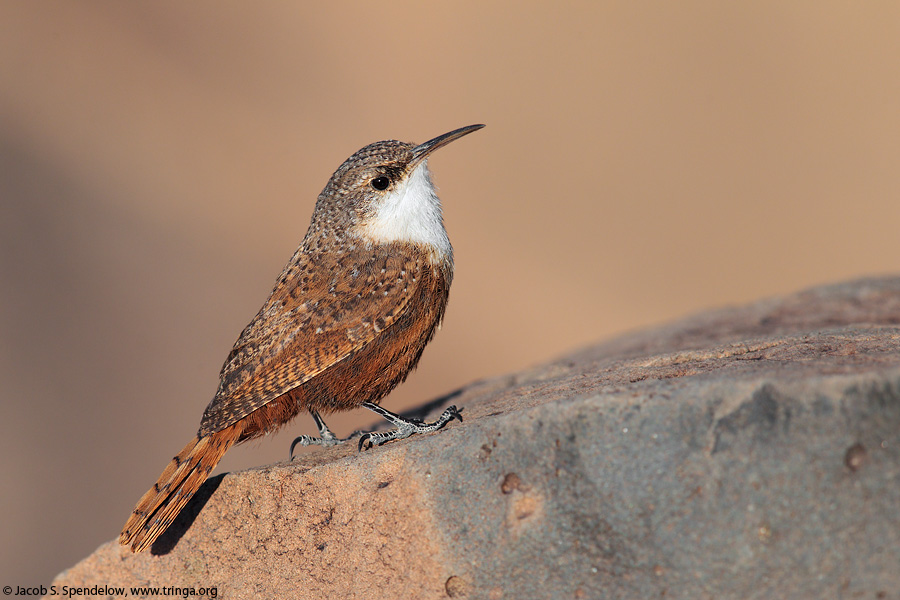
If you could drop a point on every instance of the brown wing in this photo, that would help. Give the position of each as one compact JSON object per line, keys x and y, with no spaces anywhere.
{"x":324,"y":308}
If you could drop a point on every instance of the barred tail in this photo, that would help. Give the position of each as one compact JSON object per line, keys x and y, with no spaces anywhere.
{"x":156,"y":510}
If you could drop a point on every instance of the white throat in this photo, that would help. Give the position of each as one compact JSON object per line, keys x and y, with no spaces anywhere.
{"x":411,"y":213}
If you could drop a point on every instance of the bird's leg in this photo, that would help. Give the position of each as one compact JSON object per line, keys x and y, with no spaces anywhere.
{"x":405,"y":427}
{"x":326,"y":436}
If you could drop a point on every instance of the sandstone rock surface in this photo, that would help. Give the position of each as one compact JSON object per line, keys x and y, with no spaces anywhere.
{"x":750,"y":452}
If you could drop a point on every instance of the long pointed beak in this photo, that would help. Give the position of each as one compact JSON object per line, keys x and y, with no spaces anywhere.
{"x":422,"y":151}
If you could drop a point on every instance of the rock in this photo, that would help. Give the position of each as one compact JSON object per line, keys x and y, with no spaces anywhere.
{"x":743,"y":453}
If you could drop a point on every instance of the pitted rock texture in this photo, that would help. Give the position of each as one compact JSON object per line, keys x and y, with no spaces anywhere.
{"x":750,"y":452}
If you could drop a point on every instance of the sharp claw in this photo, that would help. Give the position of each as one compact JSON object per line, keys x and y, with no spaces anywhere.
{"x":362,"y":440}
{"x":294,"y":445}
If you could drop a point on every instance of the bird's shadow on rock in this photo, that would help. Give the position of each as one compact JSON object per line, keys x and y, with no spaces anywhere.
{"x":166,"y":542}
{"x":423,"y":410}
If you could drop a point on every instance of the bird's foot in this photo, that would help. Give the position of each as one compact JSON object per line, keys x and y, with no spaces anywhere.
{"x":329,"y":439}
{"x":405,"y":427}
{"x":326,"y":436}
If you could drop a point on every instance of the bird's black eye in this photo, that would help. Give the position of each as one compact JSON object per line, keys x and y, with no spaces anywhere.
{"x":381,"y":183}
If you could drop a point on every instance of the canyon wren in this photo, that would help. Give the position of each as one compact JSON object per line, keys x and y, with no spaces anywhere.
{"x":346,"y":323}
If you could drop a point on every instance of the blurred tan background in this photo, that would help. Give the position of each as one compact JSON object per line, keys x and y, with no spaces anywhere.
{"x":159,"y":162}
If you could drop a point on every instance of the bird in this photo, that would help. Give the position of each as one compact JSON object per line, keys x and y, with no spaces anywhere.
{"x":346,"y":322}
